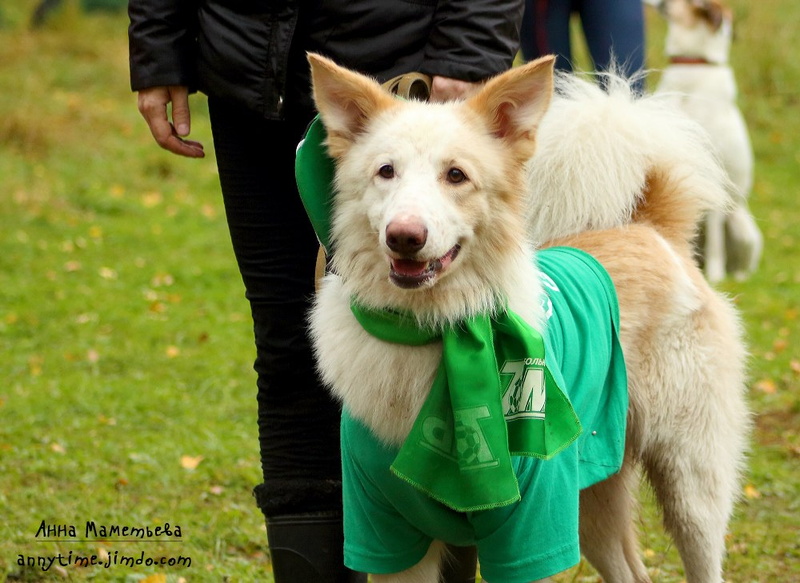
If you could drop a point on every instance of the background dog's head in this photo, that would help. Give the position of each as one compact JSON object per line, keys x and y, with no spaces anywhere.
{"x":691,"y":13}
{"x":701,"y":29}
{"x":428,"y":196}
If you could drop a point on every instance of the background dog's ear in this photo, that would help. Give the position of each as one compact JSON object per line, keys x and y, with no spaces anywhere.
{"x":713,"y":12}
{"x":346,"y":100}
{"x":514,"y":102}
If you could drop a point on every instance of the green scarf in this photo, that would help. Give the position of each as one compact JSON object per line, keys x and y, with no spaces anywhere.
{"x":314,"y":171}
{"x":493,"y":397}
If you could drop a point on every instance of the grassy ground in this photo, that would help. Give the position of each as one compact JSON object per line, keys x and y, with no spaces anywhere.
{"x":126,"y":388}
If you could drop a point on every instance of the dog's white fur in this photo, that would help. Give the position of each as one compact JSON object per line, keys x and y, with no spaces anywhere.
{"x":706,"y":91}
{"x":688,"y":422}
{"x":595,"y":147}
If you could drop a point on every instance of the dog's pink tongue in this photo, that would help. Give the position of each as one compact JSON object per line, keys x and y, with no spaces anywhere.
{"x":409,"y":266}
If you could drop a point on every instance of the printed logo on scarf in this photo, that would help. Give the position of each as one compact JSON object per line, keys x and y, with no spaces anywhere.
{"x":466,"y":442}
{"x":524,"y":394}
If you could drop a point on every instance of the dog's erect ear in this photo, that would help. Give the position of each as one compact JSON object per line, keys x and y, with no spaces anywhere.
{"x":713,"y":12}
{"x":514,"y":102}
{"x":346,"y":100}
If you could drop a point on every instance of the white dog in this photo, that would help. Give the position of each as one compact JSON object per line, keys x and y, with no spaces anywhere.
{"x":435,"y":274}
{"x":700,"y":79}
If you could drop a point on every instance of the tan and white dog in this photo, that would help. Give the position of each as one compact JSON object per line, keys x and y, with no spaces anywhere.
{"x":701,"y":80}
{"x":434,"y":216}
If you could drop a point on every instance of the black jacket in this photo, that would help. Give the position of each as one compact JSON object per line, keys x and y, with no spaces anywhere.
{"x":253,"y":51}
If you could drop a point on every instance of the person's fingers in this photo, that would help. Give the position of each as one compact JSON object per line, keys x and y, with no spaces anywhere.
{"x":181,"y":118}
{"x":153,"y":107}
{"x":447,"y":89}
{"x":177,"y":145}
{"x":152,"y":104}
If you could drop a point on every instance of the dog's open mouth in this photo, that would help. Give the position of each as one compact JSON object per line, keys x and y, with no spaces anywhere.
{"x":411,"y":273}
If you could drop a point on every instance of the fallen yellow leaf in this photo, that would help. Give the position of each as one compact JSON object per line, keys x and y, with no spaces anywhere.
{"x":780,"y":345}
{"x":107,"y":273}
{"x":35,"y":363}
{"x":751,"y":492}
{"x":208,"y":211}
{"x":162,"y":279}
{"x":151,"y":199}
{"x":189,"y":462}
{"x":766,"y":386}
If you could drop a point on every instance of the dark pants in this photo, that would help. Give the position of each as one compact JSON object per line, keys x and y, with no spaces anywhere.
{"x":612,"y":28}
{"x":275,"y":247}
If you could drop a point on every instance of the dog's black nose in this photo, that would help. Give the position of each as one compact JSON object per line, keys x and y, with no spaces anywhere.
{"x":406,"y":236}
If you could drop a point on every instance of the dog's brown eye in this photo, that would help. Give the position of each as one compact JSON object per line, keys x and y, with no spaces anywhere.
{"x":386,"y":171}
{"x":456,"y":176}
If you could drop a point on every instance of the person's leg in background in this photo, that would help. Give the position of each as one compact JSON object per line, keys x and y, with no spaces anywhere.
{"x":546,"y":31}
{"x":615,"y":35}
{"x":613,"y":29}
{"x":298,"y":420}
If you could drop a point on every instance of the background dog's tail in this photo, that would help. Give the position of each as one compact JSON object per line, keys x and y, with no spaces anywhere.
{"x":607,"y":156}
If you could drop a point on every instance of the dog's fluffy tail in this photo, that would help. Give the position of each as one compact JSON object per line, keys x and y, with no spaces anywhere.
{"x":607,"y":156}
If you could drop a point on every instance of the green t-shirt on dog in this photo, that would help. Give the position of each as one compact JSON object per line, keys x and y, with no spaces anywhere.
{"x":389,"y":524}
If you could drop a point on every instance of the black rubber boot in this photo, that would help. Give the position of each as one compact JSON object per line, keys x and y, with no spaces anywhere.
{"x":462,"y":566}
{"x":307,"y":548}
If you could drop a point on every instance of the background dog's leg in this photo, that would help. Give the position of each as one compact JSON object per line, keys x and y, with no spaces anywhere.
{"x":714,"y":252}
{"x":743,"y":242}
{"x":608,"y":539}
{"x":426,"y":571}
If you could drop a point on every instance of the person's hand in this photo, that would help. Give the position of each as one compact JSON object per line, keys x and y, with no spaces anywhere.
{"x":448,"y":89}
{"x":169,"y":135}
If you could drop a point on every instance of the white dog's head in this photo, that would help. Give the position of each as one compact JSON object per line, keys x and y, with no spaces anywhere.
{"x":700,"y":29}
{"x":429,"y":201}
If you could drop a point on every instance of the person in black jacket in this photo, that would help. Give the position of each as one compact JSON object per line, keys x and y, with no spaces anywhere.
{"x":249,"y":58}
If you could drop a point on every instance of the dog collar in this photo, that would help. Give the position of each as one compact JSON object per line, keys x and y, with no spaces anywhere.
{"x":478,"y":414}
{"x":684,"y":60}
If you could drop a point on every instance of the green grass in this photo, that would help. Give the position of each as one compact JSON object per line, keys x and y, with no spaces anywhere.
{"x":125,"y":339}
{"x":124,"y":334}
